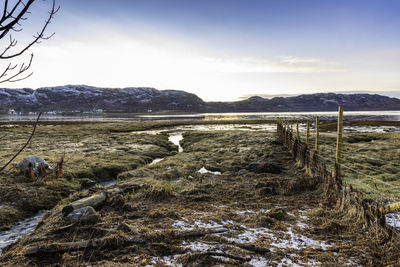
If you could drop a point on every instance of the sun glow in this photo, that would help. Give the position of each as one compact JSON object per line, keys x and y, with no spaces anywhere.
{"x":123,"y":61}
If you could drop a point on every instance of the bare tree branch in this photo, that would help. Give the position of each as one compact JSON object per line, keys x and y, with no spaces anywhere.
{"x":27,"y":142}
{"x":13,"y":78}
{"x":10,"y":21}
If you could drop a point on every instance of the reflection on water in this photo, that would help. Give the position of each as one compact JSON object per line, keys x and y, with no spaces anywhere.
{"x":175,"y":138}
{"x":350,"y":115}
{"x":371,"y":129}
{"x":329,"y":115}
{"x":175,"y":132}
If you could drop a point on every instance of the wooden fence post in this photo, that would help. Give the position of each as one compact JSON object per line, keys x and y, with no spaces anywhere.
{"x":297,"y":131}
{"x":339,"y":139}
{"x":308,"y":134}
{"x":317,"y":134}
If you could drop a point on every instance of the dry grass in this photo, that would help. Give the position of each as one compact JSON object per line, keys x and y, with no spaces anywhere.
{"x":161,"y":205}
{"x":369,"y":162}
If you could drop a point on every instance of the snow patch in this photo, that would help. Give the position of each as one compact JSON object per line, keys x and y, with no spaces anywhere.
{"x":290,"y":240}
{"x":393,"y":220}
{"x":203,"y":170}
{"x":155,"y":161}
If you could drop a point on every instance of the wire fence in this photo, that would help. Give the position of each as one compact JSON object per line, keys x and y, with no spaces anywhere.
{"x":337,"y":194}
{"x":358,"y":162}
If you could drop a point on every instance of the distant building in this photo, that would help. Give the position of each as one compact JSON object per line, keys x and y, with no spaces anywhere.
{"x":149,"y":110}
{"x":13,"y":112}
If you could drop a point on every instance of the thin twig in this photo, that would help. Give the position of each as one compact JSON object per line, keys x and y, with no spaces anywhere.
{"x":27,"y":142}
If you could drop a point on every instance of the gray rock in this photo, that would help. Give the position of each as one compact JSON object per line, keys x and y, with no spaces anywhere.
{"x":35,"y":162}
{"x":131,"y":174}
{"x":91,"y":201}
{"x":80,"y":213}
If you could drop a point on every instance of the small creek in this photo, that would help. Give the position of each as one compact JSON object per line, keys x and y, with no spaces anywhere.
{"x":174,"y":138}
{"x":19,"y":230}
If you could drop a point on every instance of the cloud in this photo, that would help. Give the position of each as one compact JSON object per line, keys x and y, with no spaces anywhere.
{"x":119,"y":60}
{"x":122,"y":61}
{"x":286,"y":64}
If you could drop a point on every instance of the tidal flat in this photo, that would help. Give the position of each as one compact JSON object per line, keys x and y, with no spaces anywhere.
{"x":233,"y":197}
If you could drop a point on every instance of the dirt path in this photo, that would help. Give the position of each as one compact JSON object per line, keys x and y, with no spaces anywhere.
{"x":170,"y":214}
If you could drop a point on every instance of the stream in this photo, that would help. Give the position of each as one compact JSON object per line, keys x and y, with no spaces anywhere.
{"x":19,"y":230}
{"x":174,"y":138}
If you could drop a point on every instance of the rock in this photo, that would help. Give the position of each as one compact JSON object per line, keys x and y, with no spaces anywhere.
{"x":34,"y":162}
{"x":262,"y":167}
{"x":93,"y":200}
{"x":130,"y":174}
{"x":80,"y":213}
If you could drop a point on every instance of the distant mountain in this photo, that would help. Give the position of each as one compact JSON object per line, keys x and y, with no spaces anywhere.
{"x":311,"y":102}
{"x":395,"y":94}
{"x":87,"y":98}
{"x":77,"y":98}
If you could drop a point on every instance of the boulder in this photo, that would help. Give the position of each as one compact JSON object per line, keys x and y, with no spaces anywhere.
{"x":33,"y":162}
{"x":80,"y":213}
{"x":93,"y":200}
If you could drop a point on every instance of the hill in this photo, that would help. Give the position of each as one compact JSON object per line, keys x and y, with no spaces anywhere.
{"x":77,"y":98}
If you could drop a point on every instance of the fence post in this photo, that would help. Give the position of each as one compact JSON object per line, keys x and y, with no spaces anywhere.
{"x":308,"y":134}
{"x":297,"y":131}
{"x":339,"y":139}
{"x":317,"y":134}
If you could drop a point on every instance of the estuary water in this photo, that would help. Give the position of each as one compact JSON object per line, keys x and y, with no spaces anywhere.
{"x":120,"y":117}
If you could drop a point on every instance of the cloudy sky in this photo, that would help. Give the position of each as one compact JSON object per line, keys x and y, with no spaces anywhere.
{"x":219,"y":49}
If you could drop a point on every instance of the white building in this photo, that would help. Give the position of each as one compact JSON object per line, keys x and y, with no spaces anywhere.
{"x":13,"y":112}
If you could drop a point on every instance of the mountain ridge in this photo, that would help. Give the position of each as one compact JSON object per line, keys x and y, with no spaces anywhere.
{"x":83,"y":98}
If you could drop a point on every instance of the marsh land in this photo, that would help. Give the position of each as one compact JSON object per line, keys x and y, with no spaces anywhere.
{"x":193,"y":193}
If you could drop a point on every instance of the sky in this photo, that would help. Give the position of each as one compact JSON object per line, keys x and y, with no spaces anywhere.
{"x":219,"y":49}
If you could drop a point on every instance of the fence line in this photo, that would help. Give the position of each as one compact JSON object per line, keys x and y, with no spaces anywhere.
{"x":352,"y":169}
{"x":389,"y":195}
{"x":336,"y":194}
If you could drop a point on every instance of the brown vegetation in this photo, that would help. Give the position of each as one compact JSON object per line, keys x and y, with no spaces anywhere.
{"x":170,"y":213}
